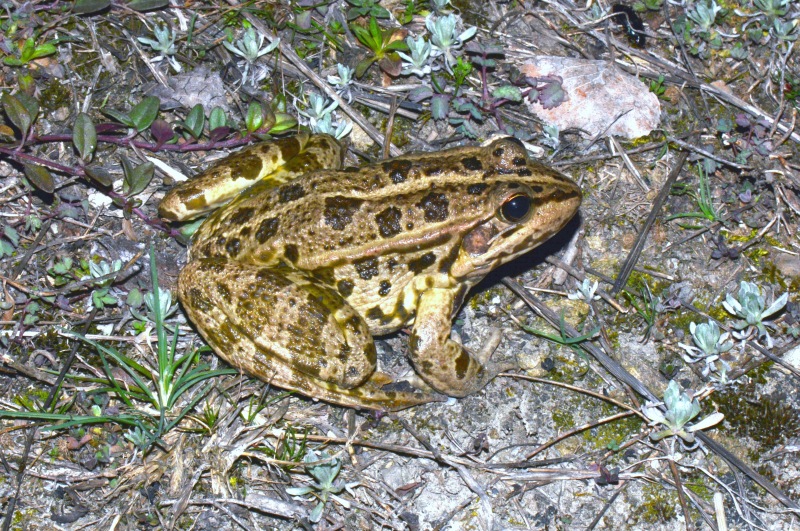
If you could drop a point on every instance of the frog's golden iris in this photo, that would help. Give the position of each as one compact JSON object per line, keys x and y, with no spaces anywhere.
{"x":305,"y":262}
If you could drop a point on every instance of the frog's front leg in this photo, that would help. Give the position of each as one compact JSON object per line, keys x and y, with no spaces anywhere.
{"x":284,"y":328}
{"x":444,"y":364}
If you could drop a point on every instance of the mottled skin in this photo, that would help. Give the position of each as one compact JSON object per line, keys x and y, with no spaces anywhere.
{"x":292,"y":278}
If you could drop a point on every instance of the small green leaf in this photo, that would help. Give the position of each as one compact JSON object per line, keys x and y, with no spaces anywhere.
{"x":17,"y":113}
{"x":99,"y":175}
{"x":217,"y":119}
{"x":26,"y":53}
{"x":144,"y":113}
{"x":40,"y":177}
{"x":255,"y":117}
{"x":43,"y":50}
{"x":12,"y":235}
{"x":363,"y":66}
{"x":84,"y":136}
{"x":30,"y":104}
{"x":283,"y":122}
{"x":136,"y":178}
{"x":195,"y":121}
{"x":508,"y":92}
{"x":121,"y":117}
{"x":83,"y":7}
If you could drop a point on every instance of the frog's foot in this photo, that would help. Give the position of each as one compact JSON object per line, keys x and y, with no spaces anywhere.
{"x":444,"y":364}
{"x":285,"y":329}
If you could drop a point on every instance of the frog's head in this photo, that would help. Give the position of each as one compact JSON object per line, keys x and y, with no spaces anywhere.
{"x":527,"y":204}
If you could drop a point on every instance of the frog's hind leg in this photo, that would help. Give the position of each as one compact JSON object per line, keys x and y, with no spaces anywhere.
{"x":283,"y":328}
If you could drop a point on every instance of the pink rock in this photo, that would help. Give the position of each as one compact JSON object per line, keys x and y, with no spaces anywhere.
{"x":598,"y":93}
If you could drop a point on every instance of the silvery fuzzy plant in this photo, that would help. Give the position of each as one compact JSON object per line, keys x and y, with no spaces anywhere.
{"x":680,"y":409}
{"x":323,"y":468}
{"x":709,"y":345}
{"x":749,"y":307}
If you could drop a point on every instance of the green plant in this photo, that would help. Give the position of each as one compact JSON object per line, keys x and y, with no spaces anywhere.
{"x":772,"y":8}
{"x":704,"y":14}
{"x":418,"y":63}
{"x":343,"y":81}
{"x":320,"y":117}
{"x":160,"y":388}
{"x":366,"y":8}
{"x":784,"y":30}
{"x":680,"y":409}
{"x":563,"y":338}
{"x":749,"y":307}
{"x":383,"y":46}
{"x":324,"y":469}
{"x":444,"y":38}
{"x":702,"y":196}
{"x":140,"y":117}
{"x":101,"y":297}
{"x":647,"y":309}
{"x":586,"y":292}
{"x":657,"y":86}
{"x":249,"y":47}
{"x":290,"y":447}
{"x":164,"y":43}
{"x":710,"y":344}
{"x":30,"y":51}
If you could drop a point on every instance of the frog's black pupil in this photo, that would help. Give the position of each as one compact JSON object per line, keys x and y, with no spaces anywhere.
{"x":516,"y":208}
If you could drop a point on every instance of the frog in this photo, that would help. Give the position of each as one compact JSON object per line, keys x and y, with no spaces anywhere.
{"x":302,"y":262}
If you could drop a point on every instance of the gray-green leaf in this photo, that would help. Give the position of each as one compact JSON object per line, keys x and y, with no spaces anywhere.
{"x":99,"y":175}
{"x":144,"y":113}
{"x":40,"y":177}
{"x":195,"y":121}
{"x":17,"y":113}
{"x":84,"y":136}
{"x":136,"y":178}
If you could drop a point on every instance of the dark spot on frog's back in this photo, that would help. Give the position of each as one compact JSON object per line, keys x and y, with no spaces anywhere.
{"x":385,"y":288}
{"x":241,"y":216}
{"x":224,"y":292}
{"x":397,"y":169}
{"x":375,"y":314}
{"x":232,"y":247}
{"x":366,"y":268}
{"x":345,"y":287}
{"x":435,"y":206}
{"x":520,"y":161}
{"x":462,"y":364}
{"x":388,"y":222}
{"x":291,"y":253}
{"x":290,"y":192}
{"x":199,"y":301}
{"x":477,"y":189}
{"x":245,"y":166}
{"x":471,"y":163}
{"x":267,"y":229}
{"x":421,"y":263}
{"x":339,"y":211}
{"x":432,"y":171}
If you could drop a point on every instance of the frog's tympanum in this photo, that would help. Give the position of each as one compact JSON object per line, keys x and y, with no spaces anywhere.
{"x":303,"y":262}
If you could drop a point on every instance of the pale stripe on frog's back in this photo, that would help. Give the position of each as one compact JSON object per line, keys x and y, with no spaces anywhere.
{"x":268,"y":164}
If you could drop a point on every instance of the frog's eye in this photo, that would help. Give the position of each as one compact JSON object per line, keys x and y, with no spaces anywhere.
{"x":516,"y":208}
